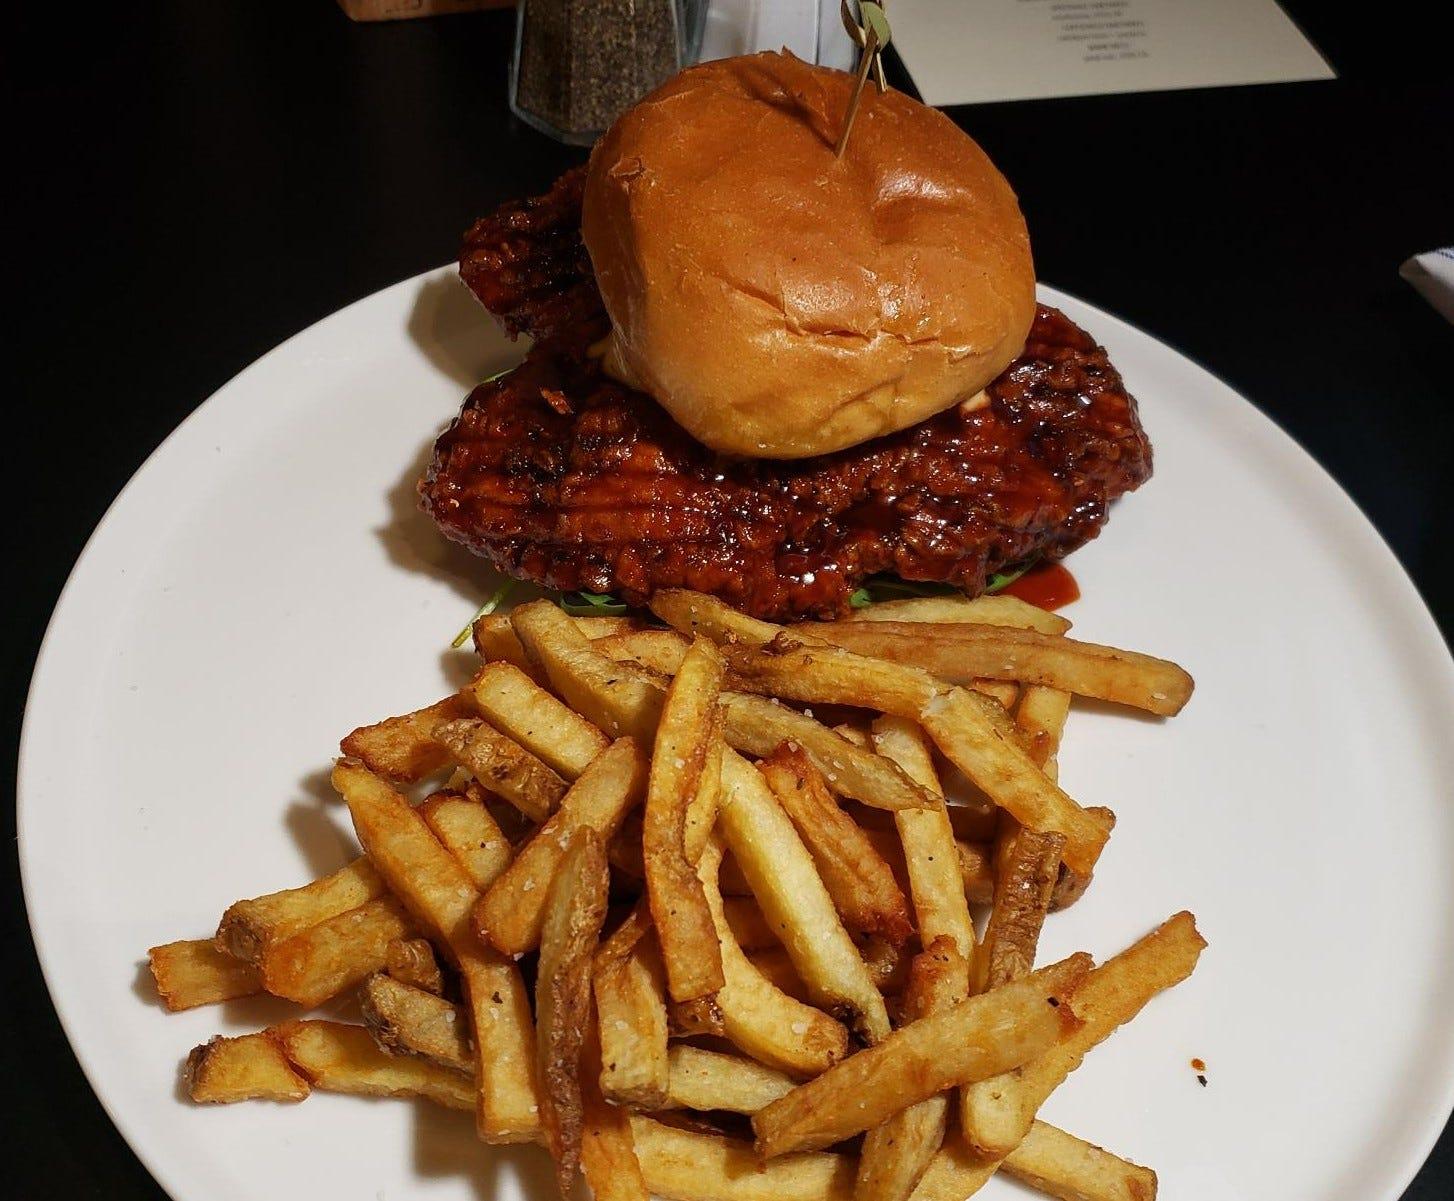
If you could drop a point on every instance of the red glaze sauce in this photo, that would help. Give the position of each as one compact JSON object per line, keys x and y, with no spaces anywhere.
{"x":1048,"y":586}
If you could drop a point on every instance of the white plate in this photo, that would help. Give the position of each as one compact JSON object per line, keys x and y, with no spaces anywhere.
{"x":264,"y":584}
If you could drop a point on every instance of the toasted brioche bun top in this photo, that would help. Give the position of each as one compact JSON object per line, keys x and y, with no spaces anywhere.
{"x":779,"y":302}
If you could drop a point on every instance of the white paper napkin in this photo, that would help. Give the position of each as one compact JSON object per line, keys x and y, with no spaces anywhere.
{"x":1432,"y":274}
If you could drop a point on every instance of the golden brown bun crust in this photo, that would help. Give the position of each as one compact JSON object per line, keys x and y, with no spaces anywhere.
{"x":779,"y":302}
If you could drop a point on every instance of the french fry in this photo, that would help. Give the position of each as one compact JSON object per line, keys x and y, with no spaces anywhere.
{"x":335,"y":955}
{"x":550,"y":730}
{"x":996,"y":1112}
{"x":697,"y":614}
{"x":194,"y":972}
{"x":249,"y":1068}
{"x":982,"y":1038}
{"x":974,"y":821}
{"x":503,"y":766}
{"x":757,"y":1017}
{"x":614,"y":699}
{"x":1072,"y":885}
{"x":689,"y":726}
{"x":339,"y":1058}
{"x":1041,"y":714}
{"x":896,"y":1153}
{"x":510,"y":913}
{"x":777,"y":966}
{"x":1003,"y":692}
{"x":1049,"y":1160}
{"x":440,"y":895}
{"x":1027,"y":865}
{"x":861,"y":884}
{"x":608,"y":1149}
{"x":630,"y":988}
{"x":409,"y":1021}
{"x":963,"y":730}
{"x":250,"y":927}
{"x":494,"y":637}
{"x":931,"y":856}
{"x":575,"y":908}
{"x":976,"y":867}
{"x":495,"y":641}
{"x":660,"y":650}
{"x":403,"y":749}
{"x":792,"y":896}
{"x":411,"y":961}
{"x":886,"y":963}
{"x":982,"y":610}
{"x":962,"y":654}
{"x":749,"y":927}
{"x":955,"y":1173}
{"x":968,"y":728}
{"x":702,"y":812}
{"x":470,"y":834}
{"x":626,"y":854}
{"x":707,"y":1080}
{"x":1060,"y":1165}
{"x":687,"y":1166}
{"x":757,"y":725}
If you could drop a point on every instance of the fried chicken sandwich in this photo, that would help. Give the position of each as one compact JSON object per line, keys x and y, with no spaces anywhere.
{"x":768,"y":373}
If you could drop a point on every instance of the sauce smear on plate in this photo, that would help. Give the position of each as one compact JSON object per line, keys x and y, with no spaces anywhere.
{"x":1048,"y":586}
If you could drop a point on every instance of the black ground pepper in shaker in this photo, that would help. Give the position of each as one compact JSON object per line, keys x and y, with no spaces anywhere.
{"x":580,"y":63}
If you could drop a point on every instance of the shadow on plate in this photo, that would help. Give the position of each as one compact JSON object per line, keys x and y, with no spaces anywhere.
{"x":455,"y":333}
{"x":445,"y":1145}
{"x":412,"y":542}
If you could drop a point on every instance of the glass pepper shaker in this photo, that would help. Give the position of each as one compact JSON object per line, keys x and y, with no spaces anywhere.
{"x":579,"y":64}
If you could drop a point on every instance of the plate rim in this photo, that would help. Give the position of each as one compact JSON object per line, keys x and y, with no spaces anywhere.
{"x":1392,"y":573}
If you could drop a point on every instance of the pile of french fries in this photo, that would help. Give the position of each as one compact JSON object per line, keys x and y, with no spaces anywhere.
{"x":683,"y":900}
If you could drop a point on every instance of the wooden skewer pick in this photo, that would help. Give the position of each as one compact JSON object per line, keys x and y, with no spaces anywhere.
{"x":873,"y":35}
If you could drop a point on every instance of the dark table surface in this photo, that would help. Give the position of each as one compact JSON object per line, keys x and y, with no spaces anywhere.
{"x":192,"y":183}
